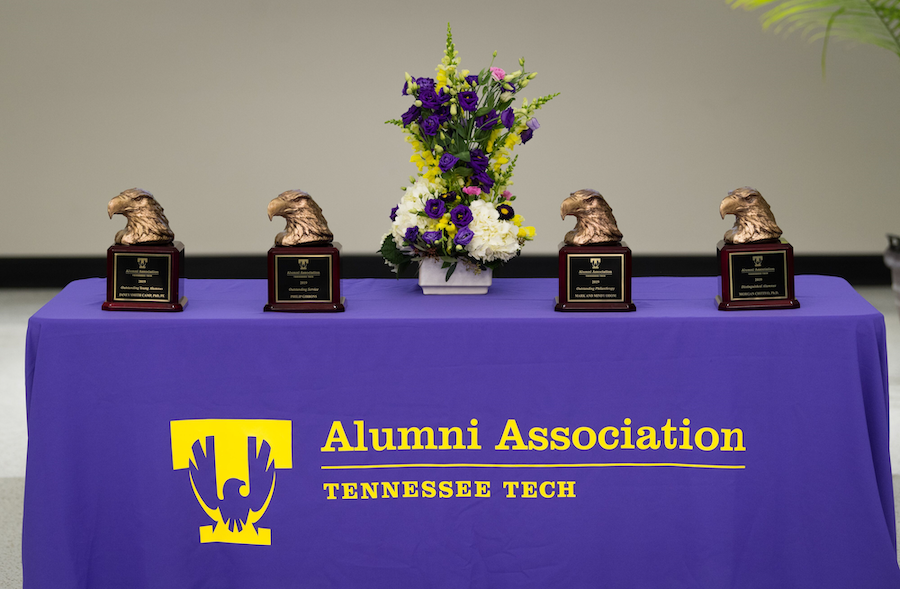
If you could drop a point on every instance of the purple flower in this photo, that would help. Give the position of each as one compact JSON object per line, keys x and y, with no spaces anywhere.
{"x":431,"y":125}
{"x":435,"y":208}
{"x":468,"y":100}
{"x":533,"y":124}
{"x":411,"y":115}
{"x":448,"y":197}
{"x":464,"y":236}
{"x":405,"y":87}
{"x":429,"y":98}
{"x":431,"y":237}
{"x":425,"y":83}
{"x":483,"y":180}
{"x":508,"y":118}
{"x":489,"y":120}
{"x":443,"y":113}
{"x":473,"y":79}
{"x":412,"y":233}
{"x":477,"y":160}
{"x":394,"y":213}
{"x":526,"y":135}
{"x":461,"y":215}
{"x":447,"y":162}
{"x":506,"y":212}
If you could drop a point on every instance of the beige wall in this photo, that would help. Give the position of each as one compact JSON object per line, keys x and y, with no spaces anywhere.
{"x":218,"y":106}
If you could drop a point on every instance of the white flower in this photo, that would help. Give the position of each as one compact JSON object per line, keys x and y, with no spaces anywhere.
{"x":494,"y":239}
{"x":413,"y":201}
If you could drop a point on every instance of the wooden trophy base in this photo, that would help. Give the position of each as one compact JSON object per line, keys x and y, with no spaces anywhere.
{"x":305,"y":279}
{"x":145,"y":278}
{"x":756,"y":276}
{"x":594,"y":278}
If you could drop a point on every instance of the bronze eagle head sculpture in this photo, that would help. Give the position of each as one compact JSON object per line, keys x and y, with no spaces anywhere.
{"x":305,"y":223}
{"x":146,"y":222}
{"x":594,"y":223}
{"x":753,"y":219}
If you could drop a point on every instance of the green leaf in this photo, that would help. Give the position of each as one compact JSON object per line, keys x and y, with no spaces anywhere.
{"x":450,"y":272}
{"x":482,"y":111}
{"x":874,"y":22}
{"x":463,"y":156}
{"x":390,"y":252}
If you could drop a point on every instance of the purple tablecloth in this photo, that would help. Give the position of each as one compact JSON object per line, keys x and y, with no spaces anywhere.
{"x":503,"y":444}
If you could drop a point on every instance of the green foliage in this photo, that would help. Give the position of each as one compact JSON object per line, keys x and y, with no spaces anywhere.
{"x":450,"y":269}
{"x":393,"y":255}
{"x":505,"y":176}
{"x":539,"y":102}
{"x":874,"y":22}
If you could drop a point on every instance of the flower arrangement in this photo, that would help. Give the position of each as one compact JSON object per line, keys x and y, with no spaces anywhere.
{"x":462,"y":128}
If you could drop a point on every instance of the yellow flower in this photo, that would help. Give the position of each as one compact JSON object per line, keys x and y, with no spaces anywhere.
{"x":490,"y":144}
{"x":526,"y":232}
{"x":517,"y":220}
{"x":502,"y":159}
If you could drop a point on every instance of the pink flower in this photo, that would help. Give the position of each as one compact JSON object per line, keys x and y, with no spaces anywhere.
{"x":498,"y":74}
{"x":472,"y":190}
{"x":506,"y":194}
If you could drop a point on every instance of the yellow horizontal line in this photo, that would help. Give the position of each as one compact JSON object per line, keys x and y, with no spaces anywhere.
{"x":556,"y":465}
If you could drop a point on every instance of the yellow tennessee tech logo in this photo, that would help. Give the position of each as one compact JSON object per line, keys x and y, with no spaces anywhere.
{"x":231,"y":465}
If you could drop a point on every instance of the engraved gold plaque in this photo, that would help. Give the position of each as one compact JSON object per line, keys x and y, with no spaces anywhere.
{"x":595,"y":278}
{"x":757,"y":275}
{"x":305,"y":279}
{"x":145,"y":278}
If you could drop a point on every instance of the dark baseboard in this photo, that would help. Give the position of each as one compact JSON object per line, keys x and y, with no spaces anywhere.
{"x":859,"y":270}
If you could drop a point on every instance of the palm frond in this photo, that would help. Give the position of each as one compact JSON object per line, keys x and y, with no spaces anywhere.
{"x":874,"y":22}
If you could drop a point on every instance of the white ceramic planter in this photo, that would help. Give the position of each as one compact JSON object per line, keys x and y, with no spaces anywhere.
{"x":463,"y":280}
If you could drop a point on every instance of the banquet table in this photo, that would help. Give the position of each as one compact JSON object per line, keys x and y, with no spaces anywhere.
{"x":459,"y":441}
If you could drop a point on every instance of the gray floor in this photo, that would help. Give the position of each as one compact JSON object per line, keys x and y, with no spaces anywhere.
{"x":17,"y":305}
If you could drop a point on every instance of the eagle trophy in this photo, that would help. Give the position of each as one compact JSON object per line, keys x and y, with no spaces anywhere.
{"x":753,"y":219}
{"x":146,"y":222}
{"x":594,"y":223}
{"x":305,"y":223}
